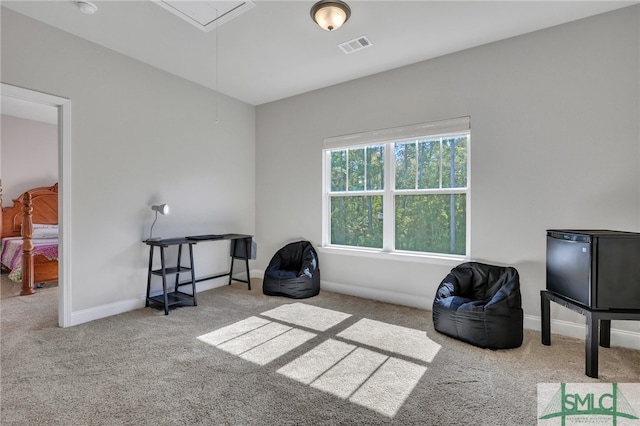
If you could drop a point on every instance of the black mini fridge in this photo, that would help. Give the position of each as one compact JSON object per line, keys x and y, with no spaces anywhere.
{"x":596,"y":268}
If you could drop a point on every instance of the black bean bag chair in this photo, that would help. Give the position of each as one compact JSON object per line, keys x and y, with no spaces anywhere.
{"x":293,"y":272}
{"x":480,"y":304}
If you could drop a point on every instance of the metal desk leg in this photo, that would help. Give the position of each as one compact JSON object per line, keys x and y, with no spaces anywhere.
{"x":164,"y":282}
{"x":233,"y":256}
{"x":193,"y":276}
{"x":545,"y":310}
{"x":248,"y":275}
{"x":605,"y":333}
{"x":176,"y":283}
{"x":149,"y":276}
{"x":247,"y":255}
{"x":591,"y":346}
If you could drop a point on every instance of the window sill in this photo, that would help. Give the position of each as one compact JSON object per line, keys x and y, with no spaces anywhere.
{"x":448,"y":260}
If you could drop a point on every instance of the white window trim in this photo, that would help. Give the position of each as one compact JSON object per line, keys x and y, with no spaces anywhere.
{"x":437,"y":128}
{"x":454,"y":126}
{"x":378,"y":254}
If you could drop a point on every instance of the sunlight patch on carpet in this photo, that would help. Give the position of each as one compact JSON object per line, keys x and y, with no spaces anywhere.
{"x":362,"y":376}
{"x":275,"y":348}
{"x":307,"y":316}
{"x":257,"y":340}
{"x":308,"y":367}
{"x":232,"y":331}
{"x":254,"y":338}
{"x":400,"y":340}
{"x":370,"y":363}
{"x":350,"y":373}
{"x":389,"y":387}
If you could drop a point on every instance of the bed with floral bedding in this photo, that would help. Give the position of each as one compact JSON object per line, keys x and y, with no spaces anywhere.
{"x":29,"y":238}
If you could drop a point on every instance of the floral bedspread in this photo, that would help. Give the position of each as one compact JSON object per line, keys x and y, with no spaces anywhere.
{"x":11,"y":253}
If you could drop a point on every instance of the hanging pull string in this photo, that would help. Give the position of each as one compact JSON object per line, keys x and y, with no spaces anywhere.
{"x":216,"y":67}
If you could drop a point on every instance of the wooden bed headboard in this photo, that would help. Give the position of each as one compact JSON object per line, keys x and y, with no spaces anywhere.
{"x":44,"y":201}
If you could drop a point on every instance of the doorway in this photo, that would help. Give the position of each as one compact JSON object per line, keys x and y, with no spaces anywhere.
{"x":63,"y":107}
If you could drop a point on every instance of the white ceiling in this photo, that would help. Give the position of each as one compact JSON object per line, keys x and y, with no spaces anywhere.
{"x":274,"y":50}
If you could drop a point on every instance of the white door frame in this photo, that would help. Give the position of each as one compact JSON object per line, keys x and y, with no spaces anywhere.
{"x":64,"y":200}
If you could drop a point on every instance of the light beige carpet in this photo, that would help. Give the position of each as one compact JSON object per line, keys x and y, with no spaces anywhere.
{"x":243,"y":358}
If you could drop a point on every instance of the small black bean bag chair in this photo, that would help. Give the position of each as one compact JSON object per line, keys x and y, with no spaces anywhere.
{"x":293,"y":272}
{"x":480,"y":304}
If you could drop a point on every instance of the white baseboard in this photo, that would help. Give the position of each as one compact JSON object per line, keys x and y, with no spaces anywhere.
{"x":623,"y":338}
{"x":104,"y":311}
{"x":123,"y":306}
{"x":377,"y":294}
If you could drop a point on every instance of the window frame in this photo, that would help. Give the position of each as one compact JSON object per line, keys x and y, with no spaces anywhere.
{"x":389,"y":137}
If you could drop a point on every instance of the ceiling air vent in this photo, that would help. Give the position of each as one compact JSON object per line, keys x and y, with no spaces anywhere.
{"x":354,"y":45}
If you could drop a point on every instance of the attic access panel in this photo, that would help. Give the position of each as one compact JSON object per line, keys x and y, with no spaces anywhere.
{"x":206,"y":15}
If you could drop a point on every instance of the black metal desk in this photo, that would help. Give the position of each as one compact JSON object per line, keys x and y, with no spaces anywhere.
{"x":240,"y":249}
{"x":596,"y":319}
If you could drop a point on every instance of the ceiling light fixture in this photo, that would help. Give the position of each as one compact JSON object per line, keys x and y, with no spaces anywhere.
{"x":86,"y":7}
{"x":330,"y":14}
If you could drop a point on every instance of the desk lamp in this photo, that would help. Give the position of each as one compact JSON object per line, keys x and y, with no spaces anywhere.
{"x":162,"y":209}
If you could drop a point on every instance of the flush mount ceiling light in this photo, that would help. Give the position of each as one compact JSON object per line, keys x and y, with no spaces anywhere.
{"x":330,"y":15}
{"x":86,"y":7}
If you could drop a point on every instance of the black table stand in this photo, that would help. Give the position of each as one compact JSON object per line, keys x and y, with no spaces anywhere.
{"x":597,"y":319}
{"x":176,"y":296}
{"x":241,"y":249}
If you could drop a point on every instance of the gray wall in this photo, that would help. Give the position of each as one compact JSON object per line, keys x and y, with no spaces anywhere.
{"x":139,"y":136}
{"x":554,"y":144}
{"x":27,"y":142}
